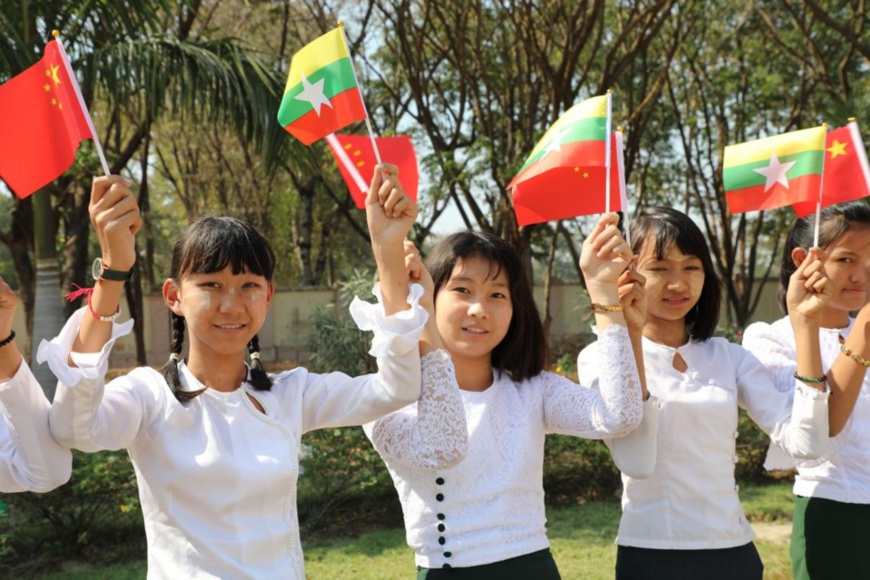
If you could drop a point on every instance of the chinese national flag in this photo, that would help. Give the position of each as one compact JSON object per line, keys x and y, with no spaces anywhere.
{"x":846,"y":172}
{"x":41,"y":124}
{"x":356,"y":160}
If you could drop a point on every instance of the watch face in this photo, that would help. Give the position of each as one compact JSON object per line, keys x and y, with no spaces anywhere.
{"x":97,"y":269}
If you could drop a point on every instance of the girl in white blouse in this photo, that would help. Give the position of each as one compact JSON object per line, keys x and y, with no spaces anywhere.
{"x":30,"y":458}
{"x":467,"y":461}
{"x":832,"y":493}
{"x":681,"y":517}
{"x":215,"y":443}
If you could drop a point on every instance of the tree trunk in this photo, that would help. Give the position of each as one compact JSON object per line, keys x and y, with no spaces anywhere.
{"x":48,"y":314}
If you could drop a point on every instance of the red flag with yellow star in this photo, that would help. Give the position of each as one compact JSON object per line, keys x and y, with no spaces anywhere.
{"x":356,"y":160}
{"x":41,"y":124}
{"x":847,"y":173}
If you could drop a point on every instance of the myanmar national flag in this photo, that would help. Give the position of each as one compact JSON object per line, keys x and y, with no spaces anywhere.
{"x":774,"y":172}
{"x":42,"y":122}
{"x":847,"y":173}
{"x":321,"y":95}
{"x":565,"y":174}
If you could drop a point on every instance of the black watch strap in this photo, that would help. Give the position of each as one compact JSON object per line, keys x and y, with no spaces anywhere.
{"x":101,"y":273}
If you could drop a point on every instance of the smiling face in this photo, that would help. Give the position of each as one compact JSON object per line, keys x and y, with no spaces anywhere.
{"x":222,"y":310}
{"x":473,"y":309}
{"x":673,"y":283}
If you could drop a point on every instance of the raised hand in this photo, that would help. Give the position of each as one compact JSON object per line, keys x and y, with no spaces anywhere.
{"x":389,"y":211}
{"x":809,"y":288}
{"x":605,"y":255}
{"x":115,"y":216}
{"x":632,"y":294}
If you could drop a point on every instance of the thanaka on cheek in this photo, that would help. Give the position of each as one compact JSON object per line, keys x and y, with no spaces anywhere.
{"x":197,"y":302}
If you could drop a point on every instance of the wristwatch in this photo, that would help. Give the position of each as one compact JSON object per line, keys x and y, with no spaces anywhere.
{"x":99,"y":272}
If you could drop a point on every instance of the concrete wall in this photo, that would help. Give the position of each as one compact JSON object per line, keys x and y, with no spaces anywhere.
{"x":288,"y":324}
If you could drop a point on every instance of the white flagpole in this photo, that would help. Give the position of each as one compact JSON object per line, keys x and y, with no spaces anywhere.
{"x":819,"y":202}
{"x":623,"y":194}
{"x":82,"y":105}
{"x":607,"y":148}
{"x":365,"y":110}
{"x":333,"y":142}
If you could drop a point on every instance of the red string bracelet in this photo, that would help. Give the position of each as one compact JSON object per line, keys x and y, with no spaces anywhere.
{"x":79,"y":291}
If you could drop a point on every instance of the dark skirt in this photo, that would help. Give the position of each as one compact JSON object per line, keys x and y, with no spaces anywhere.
{"x":741,"y":563}
{"x":538,"y":565}
{"x":829,"y":539}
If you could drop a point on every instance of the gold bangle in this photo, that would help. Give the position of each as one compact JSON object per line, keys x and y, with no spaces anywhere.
{"x":864,"y":362}
{"x":606,"y":307}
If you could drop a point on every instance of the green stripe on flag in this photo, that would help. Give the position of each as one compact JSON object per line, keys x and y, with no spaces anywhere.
{"x":339,"y":78}
{"x":589,"y":129}
{"x":742,"y":176}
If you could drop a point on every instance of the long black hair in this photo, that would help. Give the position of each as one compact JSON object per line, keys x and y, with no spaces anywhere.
{"x":208,"y":245}
{"x":665,"y":227}
{"x":523,"y":352}
{"x":834,"y":221}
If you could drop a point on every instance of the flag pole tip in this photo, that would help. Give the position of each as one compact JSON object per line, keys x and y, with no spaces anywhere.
{"x":852,"y":119}
{"x":340,"y":23}
{"x":825,"y":125}
{"x":55,"y":33}
{"x":609,"y":91}
{"x":620,"y":128}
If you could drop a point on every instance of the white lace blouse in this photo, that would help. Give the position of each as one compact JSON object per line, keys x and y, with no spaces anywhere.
{"x":468,"y":466}
{"x":30,"y":458}
{"x":687,"y":497}
{"x":217,"y":477}
{"x":843,"y":472}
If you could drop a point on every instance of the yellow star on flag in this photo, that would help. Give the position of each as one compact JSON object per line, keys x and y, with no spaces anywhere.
{"x":54,"y":101}
{"x":836,"y":149}
{"x":47,"y":87}
{"x":54,"y":78}
{"x":585,"y":174}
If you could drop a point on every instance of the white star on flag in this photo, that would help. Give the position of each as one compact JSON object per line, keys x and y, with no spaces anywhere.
{"x":312,"y":93}
{"x":555,"y":145}
{"x":775,"y":172}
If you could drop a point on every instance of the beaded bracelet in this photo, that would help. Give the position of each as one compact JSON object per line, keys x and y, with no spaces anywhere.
{"x":811,"y":380}
{"x":606,"y":307}
{"x":8,"y":339}
{"x":864,"y":362}
{"x":100,"y":317}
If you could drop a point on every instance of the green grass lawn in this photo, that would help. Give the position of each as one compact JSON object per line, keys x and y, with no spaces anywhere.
{"x":581,"y":537}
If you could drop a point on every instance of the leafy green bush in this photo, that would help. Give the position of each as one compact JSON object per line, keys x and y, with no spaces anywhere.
{"x":98,"y":506}
{"x":339,"y":465}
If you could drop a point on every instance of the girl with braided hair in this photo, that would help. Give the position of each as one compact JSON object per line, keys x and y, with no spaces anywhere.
{"x":215,"y":442}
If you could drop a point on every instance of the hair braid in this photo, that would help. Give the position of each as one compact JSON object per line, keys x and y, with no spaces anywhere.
{"x":170,"y":370}
{"x":259,"y":379}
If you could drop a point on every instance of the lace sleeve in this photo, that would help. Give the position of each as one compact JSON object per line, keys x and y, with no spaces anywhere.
{"x":436,"y":437}
{"x":612,"y":410}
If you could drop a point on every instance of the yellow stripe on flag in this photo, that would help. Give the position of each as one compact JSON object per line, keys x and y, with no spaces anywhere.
{"x":315,"y":55}
{"x":785,"y":144}
{"x":594,"y":107}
